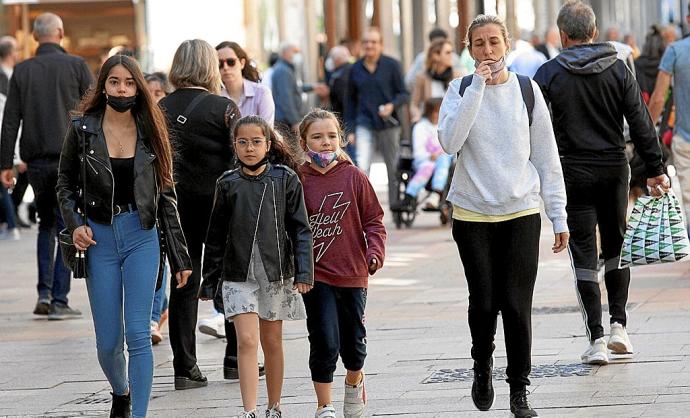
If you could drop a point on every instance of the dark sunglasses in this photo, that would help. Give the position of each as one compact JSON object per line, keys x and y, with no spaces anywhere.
{"x":229,"y":61}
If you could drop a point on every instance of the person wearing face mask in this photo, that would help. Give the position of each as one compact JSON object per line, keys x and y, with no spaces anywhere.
{"x":346,"y":220}
{"x":42,"y":91}
{"x":503,"y":170}
{"x":287,"y":92}
{"x":116,"y":195}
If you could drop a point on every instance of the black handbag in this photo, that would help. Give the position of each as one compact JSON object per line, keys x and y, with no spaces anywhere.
{"x":74,"y":259}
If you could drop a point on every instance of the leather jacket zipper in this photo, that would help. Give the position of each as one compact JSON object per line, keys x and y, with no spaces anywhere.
{"x":275,"y":217}
{"x":112,"y":189}
{"x":256,"y":227}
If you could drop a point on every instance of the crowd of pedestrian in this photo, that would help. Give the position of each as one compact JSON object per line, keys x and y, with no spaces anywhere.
{"x":210,"y":182}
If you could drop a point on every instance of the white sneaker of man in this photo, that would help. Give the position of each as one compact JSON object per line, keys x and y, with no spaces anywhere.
{"x":596,"y":353}
{"x":213,"y":326}
{"x":355,"y":399}
{"x":619,"y":342}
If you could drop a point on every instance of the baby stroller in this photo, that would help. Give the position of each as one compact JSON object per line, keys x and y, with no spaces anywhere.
{"x":405,"y":215}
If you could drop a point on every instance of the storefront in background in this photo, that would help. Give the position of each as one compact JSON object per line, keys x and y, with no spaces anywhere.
{"x":92,"y":28}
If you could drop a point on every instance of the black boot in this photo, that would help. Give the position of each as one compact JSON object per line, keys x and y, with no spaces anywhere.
{"x":519,"y":405}
{"x":122,"y":406}
{"x":193,"y":379}
{"x":483,"y":394}
{"x":231,"y":371}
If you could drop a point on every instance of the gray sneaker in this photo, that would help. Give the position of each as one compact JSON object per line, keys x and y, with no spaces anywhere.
{"x":42,"y":307}
{"x":59,"y":312}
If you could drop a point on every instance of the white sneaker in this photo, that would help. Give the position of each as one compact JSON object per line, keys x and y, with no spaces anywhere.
{"x":619,"y":342}
{"x":355,"y":400}
{"x":596,"y":353}
{"x":433,"y":201}
{"x":326,"y":411}
{"x":10,"y":235}
{"x":250,"y":414}
{"x":213,"y":326}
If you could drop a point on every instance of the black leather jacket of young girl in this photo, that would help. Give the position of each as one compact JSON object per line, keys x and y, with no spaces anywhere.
{"x":269,"y":209}
{"x":153,"y":204}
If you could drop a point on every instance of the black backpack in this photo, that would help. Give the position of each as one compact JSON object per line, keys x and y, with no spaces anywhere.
{"x":525,"y":89}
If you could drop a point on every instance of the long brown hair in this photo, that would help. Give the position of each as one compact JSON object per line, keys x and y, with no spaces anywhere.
{"x":146,"y":112}
{"x":279,"y":152}
{"x":249,"y":71}
{"x":435,"y":49}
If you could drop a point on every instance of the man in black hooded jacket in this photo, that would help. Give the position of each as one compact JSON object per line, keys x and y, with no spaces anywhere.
{"x":590,"y":91}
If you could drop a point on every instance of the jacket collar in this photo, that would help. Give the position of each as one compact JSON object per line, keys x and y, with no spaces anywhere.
{"x":288,"y":64}
{"x":92,"y":124}
{"x":261,"y":176}
{"x":50,"y":48}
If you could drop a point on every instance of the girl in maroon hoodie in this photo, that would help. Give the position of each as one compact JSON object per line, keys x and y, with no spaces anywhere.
{"x":349,"y":244}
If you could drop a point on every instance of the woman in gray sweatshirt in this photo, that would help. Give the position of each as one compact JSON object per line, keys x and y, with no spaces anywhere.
{"x":507,"y":159}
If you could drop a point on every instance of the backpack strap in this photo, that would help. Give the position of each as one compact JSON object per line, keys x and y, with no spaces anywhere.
{"x":181,"y":119}
{"x":527,"y":94}
{"x":465,"y":83}
{"x":525,"y":89}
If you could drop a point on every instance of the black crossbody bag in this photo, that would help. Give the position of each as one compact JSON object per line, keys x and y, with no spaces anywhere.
{"x":75,"y":259}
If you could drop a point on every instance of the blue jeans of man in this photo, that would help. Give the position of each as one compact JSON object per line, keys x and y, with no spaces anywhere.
{"x":53,"y":275}
{"x":123,"y":267}
{"x":388,"y":142}
{"x":7,"y":207}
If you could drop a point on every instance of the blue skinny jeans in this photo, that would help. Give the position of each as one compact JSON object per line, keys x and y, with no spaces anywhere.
{"x":122,"y":268}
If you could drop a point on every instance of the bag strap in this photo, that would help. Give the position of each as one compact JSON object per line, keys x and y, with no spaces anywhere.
{"x":465,"y":83}
{"x":527,"y":94}
{"x":181,"y":119}
{"x":525,"y":89}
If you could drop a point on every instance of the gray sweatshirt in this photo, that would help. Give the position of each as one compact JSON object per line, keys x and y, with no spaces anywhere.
{"x":503,"y":164}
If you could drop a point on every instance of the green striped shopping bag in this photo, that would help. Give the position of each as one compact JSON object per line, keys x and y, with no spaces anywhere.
{"x":655,"y":233}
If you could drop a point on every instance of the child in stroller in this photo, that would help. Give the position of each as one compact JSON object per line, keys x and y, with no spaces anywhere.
{"x":428,"y":168}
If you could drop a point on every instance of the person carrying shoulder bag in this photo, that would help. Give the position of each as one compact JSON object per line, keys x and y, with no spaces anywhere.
{"x":128,"y":188}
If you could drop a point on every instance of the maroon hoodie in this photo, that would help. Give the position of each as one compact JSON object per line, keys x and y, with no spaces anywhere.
{"x":346,"y":220}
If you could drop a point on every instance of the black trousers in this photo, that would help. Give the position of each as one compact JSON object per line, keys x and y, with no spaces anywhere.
{"x":598,"y":196}
{"x":500,"y":261}
{"x":335,"y":321}
{"x":20,"y":189}
{"x":195,"y":212}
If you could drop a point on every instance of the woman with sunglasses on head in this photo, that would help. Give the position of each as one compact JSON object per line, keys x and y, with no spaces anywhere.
{"x":200,"y":125}
{"x":241,"y":82}
{"x":128,"y":191}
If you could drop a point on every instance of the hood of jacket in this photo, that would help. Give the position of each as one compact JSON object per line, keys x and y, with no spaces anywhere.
{"x":588,"y":58}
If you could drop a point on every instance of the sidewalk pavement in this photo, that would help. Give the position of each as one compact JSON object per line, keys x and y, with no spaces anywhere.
{"x":419,"y":346}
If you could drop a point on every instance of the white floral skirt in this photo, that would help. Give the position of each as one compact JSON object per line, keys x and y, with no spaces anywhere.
{"x":272,"y":301}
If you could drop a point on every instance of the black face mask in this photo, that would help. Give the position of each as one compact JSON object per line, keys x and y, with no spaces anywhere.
{"x":121,"y":104}
{"x":254,"y":167}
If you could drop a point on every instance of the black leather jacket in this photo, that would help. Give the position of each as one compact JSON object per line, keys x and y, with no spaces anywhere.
{"x":152,"y":203}
{"x":268,"y":208}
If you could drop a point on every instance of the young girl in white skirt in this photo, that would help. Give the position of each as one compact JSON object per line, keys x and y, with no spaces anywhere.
{"x":259,"y":246}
